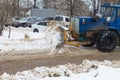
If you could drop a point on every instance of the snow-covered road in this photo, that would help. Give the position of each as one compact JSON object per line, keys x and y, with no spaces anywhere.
{"x":88,"y":70}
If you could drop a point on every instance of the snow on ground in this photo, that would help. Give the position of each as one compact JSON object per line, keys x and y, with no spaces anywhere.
{"x":88,"y":70}
{"x":24,"y":39}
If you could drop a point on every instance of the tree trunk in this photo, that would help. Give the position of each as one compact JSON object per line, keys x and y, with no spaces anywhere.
{"x":1,"y":29}
{"x":1,"y":24}
{"x":34,"y":6}
{"x":18,"y":11}
{"x":94,"y":7}
{"x":98,"y":6}
{"x":9,"y":32}
{"x":71,"y":8}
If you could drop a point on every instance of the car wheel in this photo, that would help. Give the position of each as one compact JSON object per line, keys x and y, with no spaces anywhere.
{"x":29,"y":26}
{"x":25,"y":25}
{"x":16,"y":26}
{"x":36,"y":30}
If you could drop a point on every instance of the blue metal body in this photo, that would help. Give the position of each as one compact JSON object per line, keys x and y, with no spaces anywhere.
{"x":88,"y":24}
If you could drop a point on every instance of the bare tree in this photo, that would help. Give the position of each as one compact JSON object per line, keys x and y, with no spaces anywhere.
{"x":71,"y":7}
{"x":34,"y":5}
{"x":96,"y":6}
{"x":3,"y":14}
{"x":78,"y":8}
{"x":68,"y":7}
{"x":18,"y":8}
{"x":8,"y":9}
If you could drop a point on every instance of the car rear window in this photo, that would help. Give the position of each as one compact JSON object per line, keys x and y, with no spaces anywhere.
{"x":58,"y":18}
{"x":48,"y":18}
{"x":42,"y":23}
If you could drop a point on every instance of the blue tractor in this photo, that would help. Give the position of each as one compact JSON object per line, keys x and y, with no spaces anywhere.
{"x":103,"y":30}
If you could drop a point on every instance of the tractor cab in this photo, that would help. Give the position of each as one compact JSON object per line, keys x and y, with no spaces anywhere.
{"x":112,"y":15}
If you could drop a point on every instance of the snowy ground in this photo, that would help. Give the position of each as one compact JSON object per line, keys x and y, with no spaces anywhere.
{"x":24,"y":39}
{"x":88,"y":70}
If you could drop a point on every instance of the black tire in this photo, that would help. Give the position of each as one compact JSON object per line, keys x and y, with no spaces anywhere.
{"x":29,"y":26}
{"x":24,"y":25}
{"x":36,"y":30}
{"x":16,"y":26}
{"x":106,"y":41}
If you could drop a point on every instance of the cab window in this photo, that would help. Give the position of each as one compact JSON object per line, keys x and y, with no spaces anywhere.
{"x":118,"y":12}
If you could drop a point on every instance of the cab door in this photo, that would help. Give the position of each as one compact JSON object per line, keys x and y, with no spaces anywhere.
{"x":118,"y":18}
{"x":113,"y":22}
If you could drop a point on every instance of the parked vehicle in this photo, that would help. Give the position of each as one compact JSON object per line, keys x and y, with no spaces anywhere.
{"x":44,"y":18}
{"x":39,"y":26}
{"x":48,"y":18}
{"x":102,"y":31}
{"x":63,"y":20}
{"x":25,"y":22}
{"x":42,"y":24}
{"x":16,"y":19}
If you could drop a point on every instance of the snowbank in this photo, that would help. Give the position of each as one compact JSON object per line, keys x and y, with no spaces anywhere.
{"x":24,"y":39}
{"x":88,"y":70}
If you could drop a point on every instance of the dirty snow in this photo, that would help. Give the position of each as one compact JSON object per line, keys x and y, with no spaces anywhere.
{"x":88,"y":70}
{"x":24,"y":39}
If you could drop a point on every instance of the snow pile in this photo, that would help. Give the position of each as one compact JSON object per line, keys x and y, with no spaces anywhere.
{"x":37,"y":73}
{"x":24,"y":39}
{"x":87,"y":65}
{"x":53,"y":36}
{"x":91,"y":70}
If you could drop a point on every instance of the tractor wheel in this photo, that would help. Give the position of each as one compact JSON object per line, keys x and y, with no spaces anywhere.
{"x":106,"y":41}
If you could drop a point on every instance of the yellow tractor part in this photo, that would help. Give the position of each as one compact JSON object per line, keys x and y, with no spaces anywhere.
{"x":74,"y":35}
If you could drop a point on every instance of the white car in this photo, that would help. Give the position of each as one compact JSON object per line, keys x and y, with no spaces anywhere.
{"x":39,"y":26}
{"x":63,"y":20}
{"x":25,"y":22}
